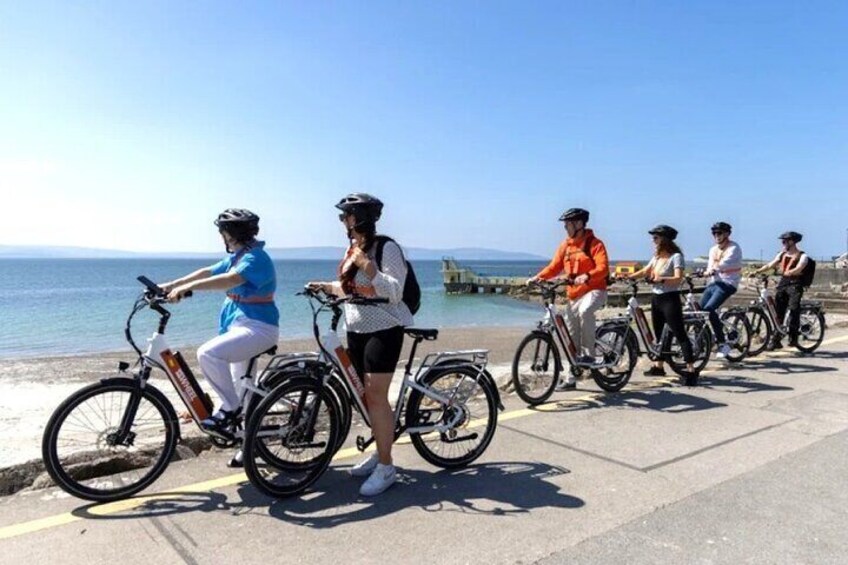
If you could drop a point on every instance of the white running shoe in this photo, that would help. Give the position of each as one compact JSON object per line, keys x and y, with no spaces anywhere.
{"x":366,"y":466}
{"x":382,"y":478}
{"x":723,"y":351}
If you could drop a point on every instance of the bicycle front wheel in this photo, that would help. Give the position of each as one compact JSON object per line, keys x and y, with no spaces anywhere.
{"x":88,"y":454}
{"x":761,"y":331}
{"x":535,"y":368}
{"x":471,"y":416}
{"x":291,"y":438}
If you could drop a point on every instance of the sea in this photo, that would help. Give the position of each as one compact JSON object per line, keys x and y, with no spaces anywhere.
{"x":55,"y":307}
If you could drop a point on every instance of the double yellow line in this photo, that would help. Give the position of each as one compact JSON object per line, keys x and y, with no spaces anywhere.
{"x":109,"y":508}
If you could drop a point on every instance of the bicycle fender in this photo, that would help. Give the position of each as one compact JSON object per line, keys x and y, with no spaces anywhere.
{"x":489,"y":381}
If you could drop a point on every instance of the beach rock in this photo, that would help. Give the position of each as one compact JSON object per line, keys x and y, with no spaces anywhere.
{"x":19,"y":477}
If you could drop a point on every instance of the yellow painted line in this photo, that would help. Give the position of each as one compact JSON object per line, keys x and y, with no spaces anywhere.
{"x":109,"y":508}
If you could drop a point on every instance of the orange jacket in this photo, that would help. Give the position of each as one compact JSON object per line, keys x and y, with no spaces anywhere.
{"x":570,"y":261}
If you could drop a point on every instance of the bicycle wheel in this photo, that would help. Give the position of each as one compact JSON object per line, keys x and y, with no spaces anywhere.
{"x":701,"y":339}
{"x":84,"y":454}
{"x":297,"y":424}
{"x":336,"y":387}
{"x":535,"y":368}
{"x":737,"y":333}
{"x":761,"y":331}
{"x":472,"y":414}
{"x":612,"y":343}
{"x":811,"y":329}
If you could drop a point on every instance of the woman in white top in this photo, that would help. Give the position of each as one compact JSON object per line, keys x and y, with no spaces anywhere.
{"x":665,"y":271}
{"x":374,"y":331}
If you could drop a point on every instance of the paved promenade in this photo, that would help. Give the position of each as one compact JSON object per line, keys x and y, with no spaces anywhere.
{"x":752,"y":466}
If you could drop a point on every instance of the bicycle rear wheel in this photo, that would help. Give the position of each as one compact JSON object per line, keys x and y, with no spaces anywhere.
{"x":614,"y":345}
{"x":297,"y":426}
{"x":473,"y":412}
{"x":535,"y":368}
{"x":701,"y":339}
{"x":811,"y":332}
{"x":85,"y":452}
{"x":737,"y":333}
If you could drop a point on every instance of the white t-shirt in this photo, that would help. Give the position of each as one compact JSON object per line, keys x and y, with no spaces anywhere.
{"x":665,"y":268}
{"x":726,"y":264}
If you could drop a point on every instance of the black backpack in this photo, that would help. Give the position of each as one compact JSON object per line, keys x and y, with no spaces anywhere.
{"x":806,"y":277}
{"x":809,"y":272}
{"x":411,"y":288}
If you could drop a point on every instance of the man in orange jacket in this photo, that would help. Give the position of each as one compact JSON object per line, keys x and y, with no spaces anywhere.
{"x":582,"y":258}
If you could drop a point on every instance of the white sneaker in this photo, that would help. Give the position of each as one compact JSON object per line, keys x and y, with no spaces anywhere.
{"x":366,"y":466}
{"x":382,"y":478}
{"x":723,"y":351}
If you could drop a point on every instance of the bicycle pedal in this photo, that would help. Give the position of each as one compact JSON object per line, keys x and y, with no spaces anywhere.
{"x":360,"y":443}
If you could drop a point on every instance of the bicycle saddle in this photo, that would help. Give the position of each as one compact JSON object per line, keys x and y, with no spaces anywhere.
{"x":419,"y":333}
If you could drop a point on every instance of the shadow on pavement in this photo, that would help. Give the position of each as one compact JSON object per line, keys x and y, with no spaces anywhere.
{"x":164,"y":504}
{"x":665,"y":399}
{"x":786,"y":367}
{"x":737,"y":384}
{"x":829,"y":355}
{"x":494,"y":489}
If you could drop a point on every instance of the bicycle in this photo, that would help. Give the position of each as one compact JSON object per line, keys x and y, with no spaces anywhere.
{"x":114,"y":438}
{"x":762,"y":316}
{"x":737,"y":329}
{"x":541,"y":369}
{"x":665,"y":347}
{"x":305,"y":419}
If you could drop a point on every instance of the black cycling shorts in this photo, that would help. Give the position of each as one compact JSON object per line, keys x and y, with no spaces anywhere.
{"x":376,"y":352}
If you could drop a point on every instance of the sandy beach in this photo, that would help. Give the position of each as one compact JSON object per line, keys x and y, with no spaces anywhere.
{"x":30,"y":389}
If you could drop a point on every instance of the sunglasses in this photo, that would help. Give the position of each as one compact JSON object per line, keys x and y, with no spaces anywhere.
{"x":719,"y":232}
{"x":343,"y":216}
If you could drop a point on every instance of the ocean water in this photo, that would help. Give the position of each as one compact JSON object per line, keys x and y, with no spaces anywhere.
{"x":75,"y":306}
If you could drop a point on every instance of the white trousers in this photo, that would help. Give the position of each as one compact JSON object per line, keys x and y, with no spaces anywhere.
{"x":224,"y":359}
{"x":580,"y":318}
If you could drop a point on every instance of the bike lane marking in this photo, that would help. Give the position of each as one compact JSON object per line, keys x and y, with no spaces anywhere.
{"x":106,"y":509}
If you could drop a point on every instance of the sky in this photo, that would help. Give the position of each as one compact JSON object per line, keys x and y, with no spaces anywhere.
{"x":131,"y":125}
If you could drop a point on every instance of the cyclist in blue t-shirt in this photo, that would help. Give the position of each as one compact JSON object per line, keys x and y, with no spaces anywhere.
{"x":249,"y":320}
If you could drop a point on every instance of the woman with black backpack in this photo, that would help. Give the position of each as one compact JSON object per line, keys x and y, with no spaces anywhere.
{"x":374,"y":266}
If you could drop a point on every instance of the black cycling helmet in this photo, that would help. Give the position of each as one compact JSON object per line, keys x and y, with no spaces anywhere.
{"x":575,"y":214}
{"x":241,"y":224}
{"x":721,"y":227}
{"x":793,"y":235}
{"x":665,"y":231}
{"x":365,"y":208}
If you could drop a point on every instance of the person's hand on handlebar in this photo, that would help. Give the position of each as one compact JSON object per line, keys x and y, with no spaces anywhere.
{"x":532,"y":280}
{"x":319,"y":286}
{"x":581,"y":279}
{"x":177,"y":293}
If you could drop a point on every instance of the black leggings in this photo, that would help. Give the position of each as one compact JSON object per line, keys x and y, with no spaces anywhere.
{"x":376,"y":352}
{"x":666,"y":309}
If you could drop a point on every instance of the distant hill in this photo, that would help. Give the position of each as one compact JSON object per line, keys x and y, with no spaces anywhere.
{"x":280,"y":253}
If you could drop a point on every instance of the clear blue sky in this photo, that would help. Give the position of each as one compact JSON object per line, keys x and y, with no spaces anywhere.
{"x":131,"y":124}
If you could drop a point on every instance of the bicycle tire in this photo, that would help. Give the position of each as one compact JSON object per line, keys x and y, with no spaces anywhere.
{"x":418,"y":414}
{"x":608,"y":379}
{"x":540,"y":343}
{"x":742,"y":344}
{"x":70,"y":473}
{"x":818,"y":316}
{"x":702,"y":348}
{"x":761,"y":330}
{"x":295,"y":477}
